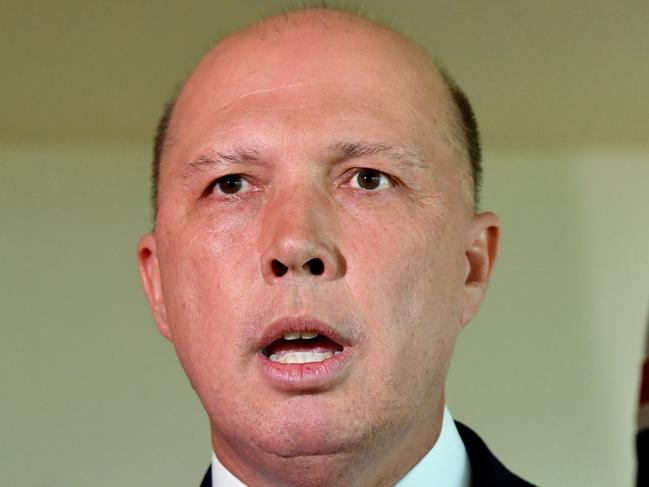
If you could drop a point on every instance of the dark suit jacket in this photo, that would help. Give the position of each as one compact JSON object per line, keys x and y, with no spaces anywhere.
{"x":486,"y":470}
{"x":642,"y":452}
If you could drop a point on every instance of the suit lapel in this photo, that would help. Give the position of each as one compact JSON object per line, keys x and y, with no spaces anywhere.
{"x":207,"y":479}
{"x":486,"y":469}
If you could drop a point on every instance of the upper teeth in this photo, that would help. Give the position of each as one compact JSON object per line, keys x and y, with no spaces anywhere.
{"x":306,"y":335}
{"x":301,"y":357}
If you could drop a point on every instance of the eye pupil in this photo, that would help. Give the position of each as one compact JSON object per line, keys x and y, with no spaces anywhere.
{"x":369,"y":179}
{"x":230,"y":184}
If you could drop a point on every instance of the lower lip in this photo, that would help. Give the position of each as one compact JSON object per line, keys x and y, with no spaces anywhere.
{"x":309,"y":376}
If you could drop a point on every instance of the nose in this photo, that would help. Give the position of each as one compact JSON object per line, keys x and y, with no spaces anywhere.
{"x":299,"y":235}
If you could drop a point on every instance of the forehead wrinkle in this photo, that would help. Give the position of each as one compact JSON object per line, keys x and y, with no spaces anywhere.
{"x":259,"y":91}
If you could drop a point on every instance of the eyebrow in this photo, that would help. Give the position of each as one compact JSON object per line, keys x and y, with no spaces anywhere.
{"x":343,"y":151}
{"x":213,"y":158}
{"x":338,"y":152}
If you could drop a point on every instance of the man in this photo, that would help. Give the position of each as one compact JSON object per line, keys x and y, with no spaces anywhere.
{"x":316,"y":253}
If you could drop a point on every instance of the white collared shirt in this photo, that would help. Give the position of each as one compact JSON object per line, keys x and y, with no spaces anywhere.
{"x":446,"y":464}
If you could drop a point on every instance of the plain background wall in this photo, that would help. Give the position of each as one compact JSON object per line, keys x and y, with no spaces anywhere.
{"x":548,"y":373}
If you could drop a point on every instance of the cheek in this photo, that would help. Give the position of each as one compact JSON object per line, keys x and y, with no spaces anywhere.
{"x":407,"y":283}
{"x":205,"y":260}
{"x":406,"y":268}
{"x":204,"y":276}
{"x":209,"y":290}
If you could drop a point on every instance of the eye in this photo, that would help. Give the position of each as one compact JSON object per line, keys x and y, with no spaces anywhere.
{"x":230,"y":184}
{"x":370,"y":179}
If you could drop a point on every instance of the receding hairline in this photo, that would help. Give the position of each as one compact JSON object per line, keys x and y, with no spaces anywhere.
{"x":460,"y":120}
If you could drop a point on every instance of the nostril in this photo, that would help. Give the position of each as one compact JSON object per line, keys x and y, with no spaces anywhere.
{"x":315,"y":266}
{"x":279,"y":269}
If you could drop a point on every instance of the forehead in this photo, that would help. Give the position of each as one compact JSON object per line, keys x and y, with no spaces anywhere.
{"x":333,"y":74}
{"x":312,"y":48}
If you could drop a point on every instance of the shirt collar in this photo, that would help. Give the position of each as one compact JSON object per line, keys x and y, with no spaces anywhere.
{"x":221,"y":476}
{"x":447,"y":463}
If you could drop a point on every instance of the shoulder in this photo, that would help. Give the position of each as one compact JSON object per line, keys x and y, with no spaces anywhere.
{"x":486,"y":469}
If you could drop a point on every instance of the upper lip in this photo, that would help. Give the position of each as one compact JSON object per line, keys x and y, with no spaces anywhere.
{"x":278,"y":328}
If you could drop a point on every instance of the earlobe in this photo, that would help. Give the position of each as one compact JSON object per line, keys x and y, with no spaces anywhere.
{"x":150,"y":275}
{"x":480,"y":256}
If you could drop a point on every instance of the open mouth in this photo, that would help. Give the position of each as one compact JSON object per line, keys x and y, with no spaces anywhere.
{"x":301,"y":353}
{"x":301,"y":347}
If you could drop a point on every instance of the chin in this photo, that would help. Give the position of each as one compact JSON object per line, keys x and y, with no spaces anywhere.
{"x":310,"y":430}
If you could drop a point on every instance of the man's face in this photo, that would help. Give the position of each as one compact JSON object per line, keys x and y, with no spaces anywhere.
{"x":311,"y":187}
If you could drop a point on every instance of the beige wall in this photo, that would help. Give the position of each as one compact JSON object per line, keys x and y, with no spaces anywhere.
{"x":556,"y":351}
{"x":547,"y":373}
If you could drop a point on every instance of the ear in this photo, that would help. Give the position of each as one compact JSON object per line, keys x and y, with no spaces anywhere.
{"x":480,"y":256}
{"x":150,"y":275}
